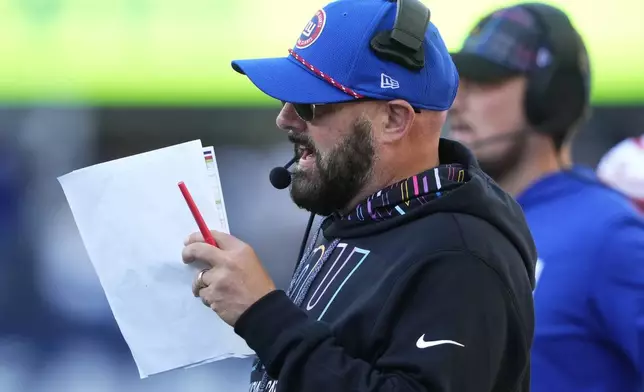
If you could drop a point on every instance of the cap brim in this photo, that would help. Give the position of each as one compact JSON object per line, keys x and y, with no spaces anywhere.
{"x":474,"y":67}
{"x":287,"y":80}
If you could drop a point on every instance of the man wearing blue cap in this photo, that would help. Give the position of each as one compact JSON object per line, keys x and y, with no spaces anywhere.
{"x":525,"y":86}
{"x":420,"y":275}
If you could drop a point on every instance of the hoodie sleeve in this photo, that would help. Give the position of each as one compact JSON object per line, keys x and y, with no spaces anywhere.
{"x":618,"y":290}
{"x":446,"y":322}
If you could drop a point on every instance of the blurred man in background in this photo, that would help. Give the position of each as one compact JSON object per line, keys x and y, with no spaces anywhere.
{"x":623,"y":168}
{"x":524,"y":92}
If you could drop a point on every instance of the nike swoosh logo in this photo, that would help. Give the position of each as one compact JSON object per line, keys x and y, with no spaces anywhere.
{"x":422,"y":343}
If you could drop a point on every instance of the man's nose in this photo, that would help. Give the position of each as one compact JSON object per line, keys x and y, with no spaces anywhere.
{"x":288,"y":120}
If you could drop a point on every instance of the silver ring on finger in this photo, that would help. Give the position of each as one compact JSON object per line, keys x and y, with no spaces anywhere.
{"x":200,"y":283}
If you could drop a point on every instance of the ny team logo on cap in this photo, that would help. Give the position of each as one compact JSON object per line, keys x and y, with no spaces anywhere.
{"x":312,"y":30}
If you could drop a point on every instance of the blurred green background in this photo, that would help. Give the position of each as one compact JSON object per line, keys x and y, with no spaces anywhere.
{"x":177,"y":52}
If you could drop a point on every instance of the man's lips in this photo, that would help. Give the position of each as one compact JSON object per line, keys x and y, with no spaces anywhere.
{"x":302,"y":147}
{"x":304,"y":152}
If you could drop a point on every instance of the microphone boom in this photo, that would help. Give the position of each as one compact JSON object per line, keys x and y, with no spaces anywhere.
{"x":280,"y":177}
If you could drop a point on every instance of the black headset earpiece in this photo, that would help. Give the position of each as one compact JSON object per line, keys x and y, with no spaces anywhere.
{"x":404,"y":43}
{"x":557,"y":91}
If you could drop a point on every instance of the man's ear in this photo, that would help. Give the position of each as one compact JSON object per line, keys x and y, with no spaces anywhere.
{"x":400,"y":118}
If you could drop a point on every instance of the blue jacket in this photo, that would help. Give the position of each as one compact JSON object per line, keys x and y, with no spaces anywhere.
{"x":589,"y":298}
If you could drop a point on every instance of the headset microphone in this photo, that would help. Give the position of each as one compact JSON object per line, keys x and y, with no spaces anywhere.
{"x":280,"y":177}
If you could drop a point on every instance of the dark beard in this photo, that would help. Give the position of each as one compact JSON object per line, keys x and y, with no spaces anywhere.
{"x":338,"y":178}
{"x":498,"y":167}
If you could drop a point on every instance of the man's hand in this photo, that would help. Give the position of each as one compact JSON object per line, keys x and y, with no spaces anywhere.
{"x":236,"y":279}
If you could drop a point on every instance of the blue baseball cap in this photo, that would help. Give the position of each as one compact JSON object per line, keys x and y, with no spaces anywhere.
{"x":332,"y":61}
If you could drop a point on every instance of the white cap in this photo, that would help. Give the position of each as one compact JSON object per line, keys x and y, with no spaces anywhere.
{"x":622,"y":167}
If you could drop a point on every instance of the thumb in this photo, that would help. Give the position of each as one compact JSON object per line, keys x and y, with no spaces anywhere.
{"x":224,"y":240}
{"x":193,"y":237}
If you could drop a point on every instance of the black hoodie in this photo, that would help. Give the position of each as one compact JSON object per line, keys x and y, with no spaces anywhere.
{"x":425,"y":286}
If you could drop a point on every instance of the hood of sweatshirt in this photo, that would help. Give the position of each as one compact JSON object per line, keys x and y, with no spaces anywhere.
{"x":457,"y":185}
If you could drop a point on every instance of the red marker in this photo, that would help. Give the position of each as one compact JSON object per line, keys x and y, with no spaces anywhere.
{"x":197,"y":215}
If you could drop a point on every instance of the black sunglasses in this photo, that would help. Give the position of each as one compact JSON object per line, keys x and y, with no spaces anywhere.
{"x":306,"y":111}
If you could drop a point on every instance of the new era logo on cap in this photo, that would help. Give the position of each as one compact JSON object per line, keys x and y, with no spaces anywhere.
{"x":332,"y":61}
{"x":387,"y":81}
